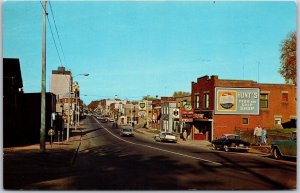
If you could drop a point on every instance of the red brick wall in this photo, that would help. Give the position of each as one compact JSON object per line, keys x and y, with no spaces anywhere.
{"x":227,"y":123}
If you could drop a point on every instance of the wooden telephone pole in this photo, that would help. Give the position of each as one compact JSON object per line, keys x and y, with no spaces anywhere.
{"x":43,"y":92}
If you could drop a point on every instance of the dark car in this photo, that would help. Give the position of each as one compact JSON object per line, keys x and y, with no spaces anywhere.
{"x":285,"y":148}
{"x":103,"y":120}
{"x":229,"y":142}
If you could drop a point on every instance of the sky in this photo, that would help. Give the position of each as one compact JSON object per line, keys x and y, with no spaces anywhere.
{"x":138,"y":48}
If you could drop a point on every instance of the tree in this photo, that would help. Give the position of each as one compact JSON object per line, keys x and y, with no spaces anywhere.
{"x":93,"y":105}
{"x":181,"y":94}
{"x":288,"y":68}
{"x":150,"y":98}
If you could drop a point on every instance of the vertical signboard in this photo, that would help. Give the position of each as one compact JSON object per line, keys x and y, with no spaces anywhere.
{"x":187,"y":113}
{"x":237,"y":101}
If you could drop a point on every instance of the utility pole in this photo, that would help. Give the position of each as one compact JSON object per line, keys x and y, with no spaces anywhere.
{"x":43,"y":91}
{"x":147,"y":102}
{"x":68,"y":124}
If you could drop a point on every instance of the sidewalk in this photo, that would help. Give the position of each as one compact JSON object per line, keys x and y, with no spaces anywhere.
{"x":27,"y":165}
{"x":262,"y":150}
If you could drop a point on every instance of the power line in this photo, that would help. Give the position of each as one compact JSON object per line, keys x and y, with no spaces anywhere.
{"x":52,"y":33}
{"x":52,"y":13}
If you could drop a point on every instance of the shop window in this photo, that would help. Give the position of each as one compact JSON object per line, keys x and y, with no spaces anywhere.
{"x":206,"y":100}
{"x":245,"y":120}
{"x":284,"y":97}
{"x":264,"y":100}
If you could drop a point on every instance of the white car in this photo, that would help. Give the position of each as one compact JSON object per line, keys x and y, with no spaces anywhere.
{"x":165,"y":137}
{"x":126,"y":131}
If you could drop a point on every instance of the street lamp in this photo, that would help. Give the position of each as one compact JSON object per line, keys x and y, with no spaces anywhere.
{"x":70,"y":83}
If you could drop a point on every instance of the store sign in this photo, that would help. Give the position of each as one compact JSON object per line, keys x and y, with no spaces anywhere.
{"x":237,"y":101}
{"x":142,"y":106}
{"x":198,"y":116}
{"x":176,"y":113}
{"x":187,"y":113}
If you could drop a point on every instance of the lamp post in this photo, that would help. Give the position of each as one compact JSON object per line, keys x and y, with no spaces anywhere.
{"x":70,"y":83}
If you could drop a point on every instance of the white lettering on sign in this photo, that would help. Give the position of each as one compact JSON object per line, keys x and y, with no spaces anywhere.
{"x":247,"y":95}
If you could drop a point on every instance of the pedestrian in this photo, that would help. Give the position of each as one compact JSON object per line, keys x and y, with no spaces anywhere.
{"x":257,"y":134}
{"x":264,"y":136}
{"x":184,"y":135}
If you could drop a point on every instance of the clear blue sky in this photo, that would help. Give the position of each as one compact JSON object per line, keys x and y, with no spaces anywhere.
{"x":134,"y":49}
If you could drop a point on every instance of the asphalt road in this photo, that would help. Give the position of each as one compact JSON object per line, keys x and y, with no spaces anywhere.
{"x":107,"y":161}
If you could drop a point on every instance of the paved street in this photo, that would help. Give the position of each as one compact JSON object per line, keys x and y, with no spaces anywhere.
{"x":107,"y":161}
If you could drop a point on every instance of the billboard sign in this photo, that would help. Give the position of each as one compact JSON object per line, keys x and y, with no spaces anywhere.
{"x":237,"y":101}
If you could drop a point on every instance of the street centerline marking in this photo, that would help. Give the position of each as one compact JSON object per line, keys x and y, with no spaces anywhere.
{"x":148,"y":146}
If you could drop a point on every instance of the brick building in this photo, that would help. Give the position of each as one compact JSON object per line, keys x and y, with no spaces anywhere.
{"x":223,"y":106}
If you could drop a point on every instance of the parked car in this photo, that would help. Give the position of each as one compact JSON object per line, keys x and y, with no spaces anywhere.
{"x":126,"y":131}
{"x":103,"y":120}
{"x":229,"y":142}
{"x":285,"y":148}
{"x":165,"y":137}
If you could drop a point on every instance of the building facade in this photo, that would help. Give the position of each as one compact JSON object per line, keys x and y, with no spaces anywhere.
{"x":61,"y":82}
{"x":223,"y":106}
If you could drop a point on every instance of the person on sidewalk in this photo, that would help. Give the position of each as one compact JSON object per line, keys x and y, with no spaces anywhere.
{"x":184,"y":135}
{"x":257,"y":134}
{"x":264,"y":136}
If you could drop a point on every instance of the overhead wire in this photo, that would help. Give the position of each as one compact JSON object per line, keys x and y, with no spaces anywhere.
{"x":54,"y":38}
{"x":51,"y":32}
{"x":59,"y":40}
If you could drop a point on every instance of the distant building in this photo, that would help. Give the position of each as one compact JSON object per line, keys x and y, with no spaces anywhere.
{"x":61,"y":82}
{"x":169,"y":118}
{"x":223,"y":106}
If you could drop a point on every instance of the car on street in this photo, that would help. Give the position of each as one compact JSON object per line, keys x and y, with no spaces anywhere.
{"x":285,"y":148}
{"x":229,"y":142}
{"x":103,"y":120}
{"x":126,"y":131}
{"x":165,"y":137}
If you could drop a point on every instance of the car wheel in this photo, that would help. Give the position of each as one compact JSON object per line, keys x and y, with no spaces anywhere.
{"x":214,"y":147}
{"x":226,"y":149}
{"x":276,"y":153}
{"x":157,"y":139}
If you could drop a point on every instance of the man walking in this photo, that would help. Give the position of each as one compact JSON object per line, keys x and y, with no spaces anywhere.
{"x":257,"y":134}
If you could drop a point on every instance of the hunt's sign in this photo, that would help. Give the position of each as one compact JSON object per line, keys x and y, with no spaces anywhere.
{"x":237,"y":101}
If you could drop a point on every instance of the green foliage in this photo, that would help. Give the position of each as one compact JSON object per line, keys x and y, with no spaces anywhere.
{"x":150,"y":98}
{"x":288,"y":59}
{"x":93,"y":105}
{"x":181,"y":94}
{"x":284,"y":132}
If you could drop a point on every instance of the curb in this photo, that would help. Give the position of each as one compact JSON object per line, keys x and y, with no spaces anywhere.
{"x":76,"y":152}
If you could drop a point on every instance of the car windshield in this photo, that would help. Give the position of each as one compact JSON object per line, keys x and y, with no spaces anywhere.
{"x":169,"y":133}
{"x":233,"y":137}
{"x":126,"y":130}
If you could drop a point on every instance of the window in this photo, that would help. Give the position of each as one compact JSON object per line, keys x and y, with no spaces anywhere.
{"x":264,"y":100}
{"x":277,"y":121}
{"x":245,"y":120}
{"x":284,"y":97}
{"x":196,"y":101}
{"x":206,"y":100}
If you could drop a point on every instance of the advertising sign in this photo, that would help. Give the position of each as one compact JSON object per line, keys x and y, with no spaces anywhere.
{"x":237,"y":101}
{"x":187,"y":113}
{"x":142,"y":106}
{"x":176,"y":113}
